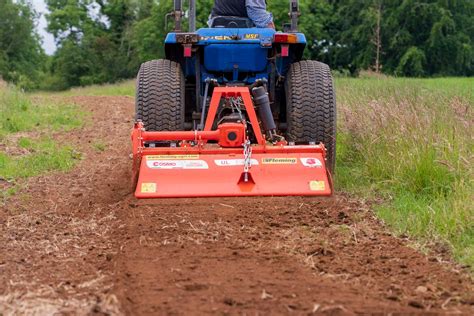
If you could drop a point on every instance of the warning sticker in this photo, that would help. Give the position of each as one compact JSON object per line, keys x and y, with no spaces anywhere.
{"x":233,"y":162}
{"x":148,"y":188}
{"x":177,"y":164}
{"x":311,"y":162}
{"x":317,"y":185}
{"x":171,"y":157}
{"x":279,"y":161}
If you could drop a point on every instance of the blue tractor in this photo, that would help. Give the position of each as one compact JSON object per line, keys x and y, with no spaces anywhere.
{"x":294,"y":98}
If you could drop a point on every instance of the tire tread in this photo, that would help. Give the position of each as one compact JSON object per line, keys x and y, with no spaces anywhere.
{"x":160,"y":96}
{"x":311,"y":106}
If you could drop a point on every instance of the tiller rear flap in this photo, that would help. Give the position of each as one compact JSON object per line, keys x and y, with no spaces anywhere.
{"x":224,"y":161}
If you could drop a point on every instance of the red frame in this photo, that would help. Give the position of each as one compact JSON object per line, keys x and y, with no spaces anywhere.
{"x":139,"y":135}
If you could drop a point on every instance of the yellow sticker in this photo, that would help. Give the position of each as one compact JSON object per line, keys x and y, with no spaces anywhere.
{"x":279,"y":161}
{"x":148,"y":188}
{"x":171,"y":157}
{"x":251,"y":36}
{"x":317,"y":185}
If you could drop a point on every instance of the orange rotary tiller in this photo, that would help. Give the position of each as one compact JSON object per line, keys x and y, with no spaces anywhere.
{"x":223,"y":161}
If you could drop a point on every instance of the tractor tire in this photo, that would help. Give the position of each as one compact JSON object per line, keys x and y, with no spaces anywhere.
{"x":311,"y":107}
{"x":160,"y":96}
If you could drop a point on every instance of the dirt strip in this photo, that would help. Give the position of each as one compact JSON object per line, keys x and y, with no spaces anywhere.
{"x":79,"y":243}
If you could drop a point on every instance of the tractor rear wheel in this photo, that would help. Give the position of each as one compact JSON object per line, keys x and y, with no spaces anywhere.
{"x":311,"y":107}
{"x":160,"y":96}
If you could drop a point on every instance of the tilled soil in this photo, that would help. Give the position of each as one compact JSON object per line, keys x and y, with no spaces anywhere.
{"x":79,"y":243}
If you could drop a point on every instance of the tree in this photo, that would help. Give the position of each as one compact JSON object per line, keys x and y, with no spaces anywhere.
{"x":96,"y":36}
{"x":149,"y":33}
{"x":70,"y":19}
{"x":377,"y":39}
{"x":396,"y":33}
{"x":21,"y":55}
{"x":412,"y":63}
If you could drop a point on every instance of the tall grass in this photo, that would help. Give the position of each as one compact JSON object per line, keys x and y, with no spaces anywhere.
{"x":410,"y":142}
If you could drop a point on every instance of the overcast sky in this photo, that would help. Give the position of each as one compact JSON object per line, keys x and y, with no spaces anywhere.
{"x":48,"y":39}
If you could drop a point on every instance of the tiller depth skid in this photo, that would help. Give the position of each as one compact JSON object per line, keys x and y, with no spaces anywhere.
{"x":223,"y":161}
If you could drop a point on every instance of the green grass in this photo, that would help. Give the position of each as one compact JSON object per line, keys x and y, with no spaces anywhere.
{"x":43,"y":155}
{"x":99,"y":145}
{"x":19,"y":114}
{"x":410,"y":141}
{"x":24,"y":150}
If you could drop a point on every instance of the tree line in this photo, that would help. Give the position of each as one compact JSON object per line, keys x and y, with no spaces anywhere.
{"x":102,"y":41}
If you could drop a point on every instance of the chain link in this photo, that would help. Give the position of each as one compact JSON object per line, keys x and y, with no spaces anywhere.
{"x":247,"y":159}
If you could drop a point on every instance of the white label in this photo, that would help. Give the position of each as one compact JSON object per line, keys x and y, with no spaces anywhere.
{"x":311,"y":162}
{"x":177,"y":164}
{"x":234,"y":162}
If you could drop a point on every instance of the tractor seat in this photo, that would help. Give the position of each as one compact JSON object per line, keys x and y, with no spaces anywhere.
{"x":231,"y":22}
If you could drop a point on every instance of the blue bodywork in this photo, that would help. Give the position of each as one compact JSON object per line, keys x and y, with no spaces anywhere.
{"x":234,"y":55}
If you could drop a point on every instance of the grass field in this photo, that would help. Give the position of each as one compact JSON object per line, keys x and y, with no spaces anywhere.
{"x":26,"y":146}
{"x":406,"y":144}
